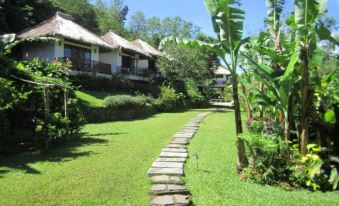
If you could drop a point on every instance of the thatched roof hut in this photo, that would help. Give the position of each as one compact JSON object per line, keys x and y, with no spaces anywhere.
{"x":146,"y":48}
{"x":222,"y":71}
{"x":61,"y":25}
{"x":117,"y":41}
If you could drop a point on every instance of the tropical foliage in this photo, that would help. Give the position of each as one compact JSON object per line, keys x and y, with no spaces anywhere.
{"x":293,"y":98}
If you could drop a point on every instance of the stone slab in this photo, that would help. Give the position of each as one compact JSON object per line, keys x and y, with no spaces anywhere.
{"x":166,"y":189}
{"x":180,"y":150}
{"x":180,"y":141}
{"x":173,"y":154}
{"x":163,"y":200}
{"x":166,"y":179}
{"x":182,"y":200}
{"x":176,"y":146}
{"x":170,"y":200}
{"x":171,"y":159}
{"x":168,"y":164}
{"x":182,"y":136}
{"x":165,"y":171}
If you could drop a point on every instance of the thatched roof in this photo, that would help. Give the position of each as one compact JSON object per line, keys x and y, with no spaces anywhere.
{"x":116,"y":41}
{"x":222,"y":70}
{"x":61,"y":25}
{"x":146,"y":47}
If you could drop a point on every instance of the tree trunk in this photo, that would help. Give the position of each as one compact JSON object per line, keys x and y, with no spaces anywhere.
{"x":304,"y":136}
{"x":248,"y":106}
{"x":242,"y":161}
{"x":46,"y":117}
{"x":66,"y":113}
{"x":261,"y":108}
{"x":287,"y":137}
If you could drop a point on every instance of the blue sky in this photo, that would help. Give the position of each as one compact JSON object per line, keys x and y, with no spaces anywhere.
{"x":195,"y":11}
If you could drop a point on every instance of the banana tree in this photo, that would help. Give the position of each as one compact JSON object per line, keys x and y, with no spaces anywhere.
{"x":309,"y":31}
{"x":282,"y":87}
{"x":273,"y":21}
{"x":227,"y":19}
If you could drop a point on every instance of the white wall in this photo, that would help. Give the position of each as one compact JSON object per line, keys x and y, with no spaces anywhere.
{"x":95,"y":53}
{"x":42,"y":50}
{"x":113,"y":58}
{"x":59,"y":48}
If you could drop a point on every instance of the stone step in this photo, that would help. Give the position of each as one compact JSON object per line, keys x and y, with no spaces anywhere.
{"x":180,"y":150}
{"x":176,"y":146}
{"x":165,"y":171}
{"x":167,"y":179}
{"x":167,"y":189}
{"x":171,"y":200}
{"x":168,"y":164}
{"x":171,"y":159}
{"x":182,"y":136}
{"x":190,"y":135}
{"x":173,"y":154}
{"x":182,"y":141}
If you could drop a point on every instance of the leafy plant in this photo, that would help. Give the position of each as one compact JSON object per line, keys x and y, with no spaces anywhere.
{"x":169,"y":99}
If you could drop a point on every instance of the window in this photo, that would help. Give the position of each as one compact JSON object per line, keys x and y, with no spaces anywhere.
{"x":80,"y":57}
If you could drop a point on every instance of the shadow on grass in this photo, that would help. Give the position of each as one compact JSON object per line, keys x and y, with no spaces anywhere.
{"x":66,"y":152}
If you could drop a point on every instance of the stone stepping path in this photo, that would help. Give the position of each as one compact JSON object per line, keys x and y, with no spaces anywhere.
{"x":166,"y":172}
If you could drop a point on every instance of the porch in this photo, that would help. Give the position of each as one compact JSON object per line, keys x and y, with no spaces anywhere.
{"x":89,"y":67}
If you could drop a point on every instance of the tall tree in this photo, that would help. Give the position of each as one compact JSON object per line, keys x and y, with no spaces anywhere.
{"x":111,"y":17}
{"x":137,"y":24}
{"x":227,"y":19}
{"x":154,"y":31}
{"x":306,"y":14}
{"x":82,"y":11}
{"x":18,"y":15}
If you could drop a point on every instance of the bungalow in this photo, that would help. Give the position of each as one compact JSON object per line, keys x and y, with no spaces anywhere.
{"x":222,"y":76}
{"x":127,"y":59}
{"x":73,"y":42}
{"x":89,"y":53}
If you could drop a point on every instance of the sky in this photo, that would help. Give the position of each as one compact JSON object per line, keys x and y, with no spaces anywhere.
{"x":196,"y":12}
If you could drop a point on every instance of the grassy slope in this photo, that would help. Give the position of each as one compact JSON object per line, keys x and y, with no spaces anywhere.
{"x":107,"y":166}
{"x":216,"y":181}
{"x":93,"y":98}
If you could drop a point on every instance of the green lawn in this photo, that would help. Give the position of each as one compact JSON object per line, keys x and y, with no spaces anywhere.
{"x":107,"y":166}
{"x":94,"y":98}
{"x":215,"y":181}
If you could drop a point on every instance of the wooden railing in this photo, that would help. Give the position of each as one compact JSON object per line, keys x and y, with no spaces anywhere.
{"x":141,"y":72}
{"x":89,"y":66}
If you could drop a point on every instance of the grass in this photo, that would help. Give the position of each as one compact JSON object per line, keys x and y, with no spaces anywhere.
{"x":215,"y":182}
{"x":93,"y":98}
{"x":107,"y":166}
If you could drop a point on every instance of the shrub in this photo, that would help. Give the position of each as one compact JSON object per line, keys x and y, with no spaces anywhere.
{"x":316,"y":170}
{"x":169,"y":99}
{"x":257,"y":126}
{"x":124,"y":102}
{"x":120,"y":107}
{"x":194,"y":95}
{"x":96,"y":83}
{"x":267,"y":159}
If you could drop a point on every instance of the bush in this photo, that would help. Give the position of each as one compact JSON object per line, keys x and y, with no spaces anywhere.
{"x":120,"y":107}
{"x":127,"y":101}
{"x":268,"y":164}
{"x":266,"y":155}
{"x":169,"y":99}
{"x":88,"y":82}
{"x":194,"y":95}
{"x":316,"y":170}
